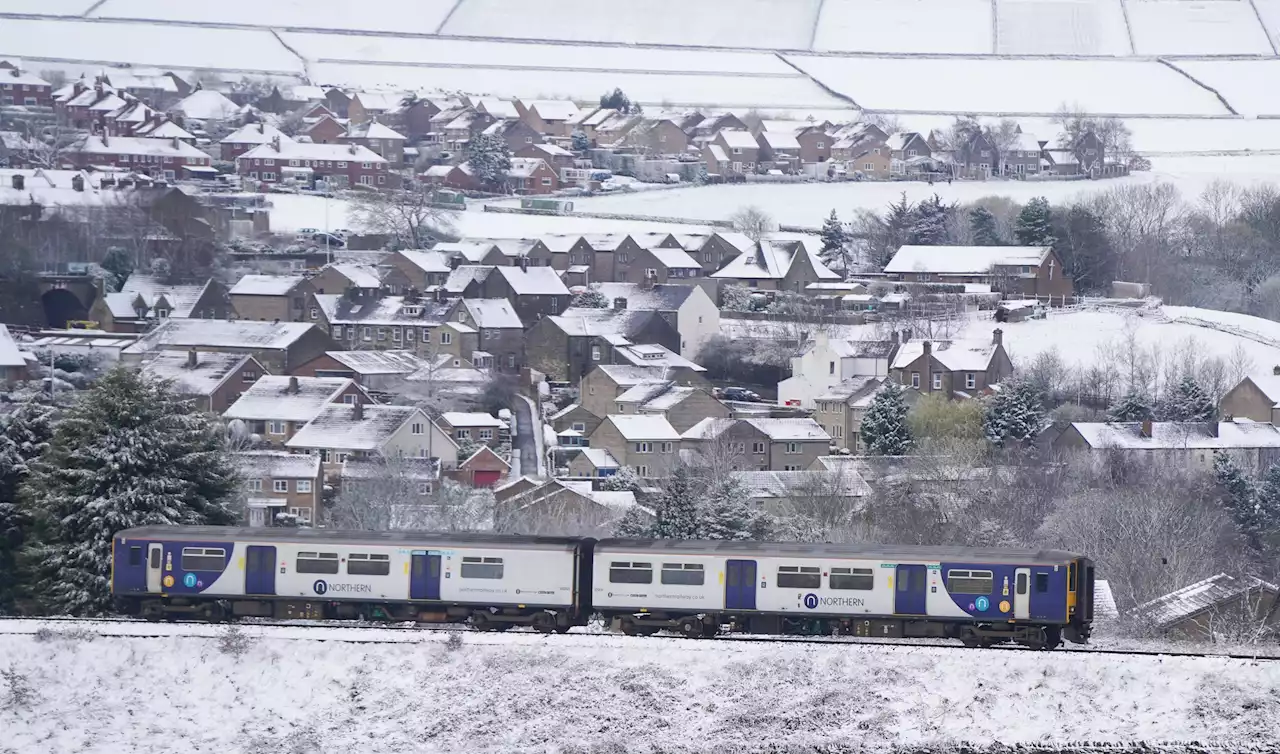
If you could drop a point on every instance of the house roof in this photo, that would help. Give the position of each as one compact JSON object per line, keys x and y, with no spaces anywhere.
{"x":717,"y":153}
{"x":498,"y":108}
{"x":388,"y":310}
{"x":408,"y":469}
{"x":1199,"y":597}
{"x":554,"y":109}
{"x":466,"y":274}
{"x":1179,"y":435}
{"x":255,"y":133}
{"x":623,"y":375}
{"x":379,"y":101}
{"x":336,"y":426}
{"x":789,"y":429}
{"x":665,"y":297}
{"x":535,"y":281}
{"x":360,"y":275}
{"x":780,"y":139}
{"x":771,"y":260}
{"x":133,"y":145}
{"x":10,"y":356}
{"x":653,"y":355}
{"x":471,"y":419}
{"x":587,"y":322}
{"x":284,"y":398}
{"x":218,"y":333}
{"x":964,"y":260}
{"x":428,"y":260}
{"x":674,"y":259}
{"x":551,"y":150}
{"x":166,"y":130}
{"x":183,"y":298}
{"x":374,"y":130}
{"x":735,"y":139}
{"x":206,"y":104}
{"x":955,"y":355}
{"x":210,"y":370}
{"x":482,"y":451}
{"x":278,"y":464}
{"x":848,"y":389}
{"x":643,"y":427}
{"x":784,"y":484}
{"x":18,"y":76}
{"x":379,"y":362}
{"x":266,"y":285}
{"x":524,"y":167}
{"x":1268,"y":384}
{"x":708,"y":428}
{"x":600,"y":458}
{"x":492,"y":313}
{"x":297,"y":150}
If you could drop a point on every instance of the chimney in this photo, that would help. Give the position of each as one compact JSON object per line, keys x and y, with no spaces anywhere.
{"x":928,"y":348}
{"x":1145,"y":430}
{"x":997,"y":337}
{"x":262,"y":128}
{"x":104,"y":138}
{"x":1275,"y":370}
{"x":176,"y":143}
{"x":893,"y":337}
{"x":77,"y":182}
{"x":906,"y":335}
{"x":357,"y":409}
{"x":293,"y":385}
{"x":193,"y":358}
{"x":19,"y":182}
{"x":275,"y":143}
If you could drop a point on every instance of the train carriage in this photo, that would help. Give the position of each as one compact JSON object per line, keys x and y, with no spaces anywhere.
{"x":979,"y":596}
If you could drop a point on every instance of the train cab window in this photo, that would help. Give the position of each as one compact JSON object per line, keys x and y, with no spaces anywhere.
{"x":623,"y":572}
{"x":317,"y":562}
{"x":1042,"y":582}
{"x":481,"y":568}
{"x":800,"y":577}
{"x":203,"y":558}
{"x":1071,"y":577}
{"x":852,"y":578}
{"x":155,"y":558}
{"x":970,"y":582}
{"x":135,"y":556}
{"x":362,"y":564}
{"x":688,"y":574}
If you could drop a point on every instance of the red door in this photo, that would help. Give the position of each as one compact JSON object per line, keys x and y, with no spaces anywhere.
{"x":482,"y":478}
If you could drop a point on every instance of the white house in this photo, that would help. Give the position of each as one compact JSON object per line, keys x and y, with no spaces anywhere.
{"x":827,"y":362}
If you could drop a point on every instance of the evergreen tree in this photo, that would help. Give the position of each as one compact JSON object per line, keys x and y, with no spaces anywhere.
{"x":1014,"y":415}
{"x":1241,"y":498}
{"x":624,"y":480}
{"x":127,"y":453}
{"x":616,"y":100}
{"x":1188,"y":402}
{"x":490,"y":159}
{"x":834,"y":240}
{"x":929,"y":223}
{"x":983,"y":225}
{"x":728,"y":513}
{"x":1133,"y":406}
{"x":676,"y":514}
{"x":1266,"y":512}
{"x":591,"y":298}
{"x":634,"y":524}
{"x":1035,"y":224}
{"x":24,"y":437}
{"x":119,"y":266}
{"x":884,"y":429}
{"x":1080,"y":240}
{"x":579,"y":141}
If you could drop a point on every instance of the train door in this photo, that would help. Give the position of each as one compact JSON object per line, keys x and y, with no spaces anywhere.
{"x":740,"y":585}
{"x":155,"y":566}
{"x":1022,"y":594}
{"x":424,"y":577}
{"x":260,"y":570}
{"x":911,"y":590}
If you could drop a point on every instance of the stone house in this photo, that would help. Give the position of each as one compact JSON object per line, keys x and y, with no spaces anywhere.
{"x":568,"y":346}
{"x":500,"y":333}
{"x":275,"y":407}
{"x":776,"y":265}
{"x":760,"y":444}
{"x":384,"y":322}
{"x":145,"y":300}
{"x":1253,"y":445}
{"x":1255,"y":397}
{"x":1219,"y":608}
{"x":271,"y":298}
{"x":278,"y":347}
{"x":475,"y":426}
{"x":594,"y":462}
{"x":576,"y":418}
{"x":1018,"y":271}
{"x":688,"y":308}
{"x":718,"y":249}
{"x":516,"y":133}
{"x":956,"y":368}
{"x":342,"y":431}
{"x":423,"y":269}
{"x":682,"y":405}
{"x":214,"y":380}
{"x":658,"y":265}
{"x":648,"y":444}
{"x":815,"y":143}
{"x":602,"y":385}
{"x":276,"y":482}
{"x":534,"y":293}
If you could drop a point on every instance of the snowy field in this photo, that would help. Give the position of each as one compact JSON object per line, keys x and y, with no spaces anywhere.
{"x":1249,"y":85}
{"x":1269,"y":10}
{"x":48,"y":7}
{"x":412,"y":16}
{"x":1061,"y":27}
{"x":590,"y":693}
{"x":934,"y":26}
{"x":1181,"y":27}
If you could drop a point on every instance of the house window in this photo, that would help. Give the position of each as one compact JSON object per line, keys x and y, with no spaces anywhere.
{"x":937,"y":380}
{"x":915,"y":380}
{"x":254,"y":485}
{"x":268,"y":163}
{"x":737,"y":150}
{"x":342,"y":164}
{"x":793,"y":447}
{"x":366,"y":180}
{"x":366,"y":333}
{"x":409,"y":334}
{"x":546,"y":181}
{"x":366,"y":165}
{"x":268,"y":176}
{"x":868,"y":166}
{"x":511,"y":361}
{"x":446,"y":338}
{"x":839,"y":431}
{"x":248,"y":376}
{"x":302,"y":485}
{"x":424,"y":488}
{"x":315,"y":313}
{"x":821,"y":144}
{"x":395,"y":335}
{"x":757,"y":447}
{"x":595,"y":353}
{"x":666,"y":447}
{"x":644,"y":447}
{"x":831,"y":367}
{"x":426,"y":335}
{"x":349,"y":400}
{"x":579,"y":427}
{"x":382,"y":333}
{"x":275,"y":427}
{"x":280,"y":485}
{"x":417,"y":428}
{"x":463,"y":434}
{"x":792,"y":467}
{"x":970,"y":380}
{"x":642,"y":471}
{"x":486,"y":434}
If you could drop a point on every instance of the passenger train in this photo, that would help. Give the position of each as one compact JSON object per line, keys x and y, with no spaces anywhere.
{"x":698,"y":589}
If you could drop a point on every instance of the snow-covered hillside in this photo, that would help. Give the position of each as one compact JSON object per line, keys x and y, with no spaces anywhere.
{"x":1061,"y":27}
{"x":1179,"y":27}
{"x":418,"y":16}
{"x":899,"y":26}
{"x":590,"y":693}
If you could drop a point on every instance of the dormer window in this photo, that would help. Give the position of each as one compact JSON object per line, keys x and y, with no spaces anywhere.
{"x":412,"y":311}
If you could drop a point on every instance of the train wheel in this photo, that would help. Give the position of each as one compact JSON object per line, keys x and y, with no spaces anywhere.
{"x":481,"y":622}
{"x":544,"y":622}
{"x":562,"y":629}
{"x":691,"y":628}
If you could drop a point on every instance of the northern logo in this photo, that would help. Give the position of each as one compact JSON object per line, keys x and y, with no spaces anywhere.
{"x":320,"y":586}
{"x":811,"y":600}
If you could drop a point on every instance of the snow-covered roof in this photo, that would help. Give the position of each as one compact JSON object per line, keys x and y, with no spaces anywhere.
{"x":389,"y":310}
{"x":643,"y":427}
{"x":535,"y":281}
{"x":374,"y":130}
{"x":554,"y":109}
{"x":771,"y":260}
{"x":653,"y":355}
{"x":551,"y":150}
{"x":17,"y":76}
{"x":206,"y":104}
{"x":717,"y":153}
{"x":846,"y":390}
{"x":626,"y":376}
{"x":955,"y":355}
{"x":735,"y":139}
{"x":589,"y":322}
{"x":428,"y":260}
{"x":183,"y":298}
{"x":409,"y":469}
{"x":133,"y":145}
{"x":483,"y":450}
{"x":1269,"y":384}
{"x":379,"y":362}
{"x":964,"y":260}
{"x":256,"y":133}
{"x":708,"y":428}
{"x":337,"y":427}
{"x":266,"y":285}
{"x":780,"y":140}
{"x":210,"y":370}
{"x":470,"y":250}
{"x":665,"y":297}
{"x":600,"y":458}
{"x":645,"y":391}
{"x":1197,"y":598}
{"x":524,"y":167}
{"x":218,"y":333}
{"x":1104,"y":602}
{"x":277,"y":464}
{"x":790,"y":429}
{"x":284,"y":398}
{"x":379,"y":101}
{"x":297,"y":150}
{"x":498,"y":108}
{"x":1027,"y":143}
{"x":780,"y":485}
{"x":674,"y":259}
{"x":10,"y":356}
{"x":360,"y":275}
{"x":492,"y":313}
{"x":166,"y":130}
{"x":1179,"y":435}
{"x":471,"y":419}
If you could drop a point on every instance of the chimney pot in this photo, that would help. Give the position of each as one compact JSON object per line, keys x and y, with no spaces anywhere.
{"x":1146,"y":428}
{"x":928,"y":348}
{"x":357,"y":410}
{"x":293,"y":384}
{"x":193,"y":358}
{"x":997,"y":337}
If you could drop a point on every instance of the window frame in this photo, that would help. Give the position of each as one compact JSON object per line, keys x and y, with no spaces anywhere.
{"x":967,"y":575}
{"x":314,"y":559}
{"x":798,"y":577}
{"x":694,"y":569}
{"x":852,"y":577}
{"x":482,"y":567}
{"x":371,"y":564}
{"x":638,"y":567}
{"x":220,"y":553}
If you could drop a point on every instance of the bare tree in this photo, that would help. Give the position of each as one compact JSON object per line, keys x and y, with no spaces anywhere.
{"x":752,"y":222}
{"x":46,"y":145}
{"x":407,"y":216}
{"x":396,"y":493}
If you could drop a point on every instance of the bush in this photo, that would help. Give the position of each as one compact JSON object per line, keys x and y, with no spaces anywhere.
{"x":18,"y":691}
{"x":232,"y":640}
{"x":454,"y":642}
{"x":46,"y":634}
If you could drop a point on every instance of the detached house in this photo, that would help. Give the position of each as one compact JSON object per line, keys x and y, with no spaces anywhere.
{"x":779,"y":150}
{"x":342,"y":431}
{"x":909,"y":152}
{"x":687,"y":308}
{"x":825,"y":362}
{"x":761,"y":444}
{"x":1026,"y":156}
{"x":735,"y":151}
{"x":776,"y":265}
{"x":549,"y":117}
{"x":648,"y":444}
{"x":276,"y":407}
{"x":214,"y":380}
{"x":379,"y":139}
{"x":1256,"y":397}
{"x":530,"y":176}
{"x":977,"y":157}
{"x":1033,"y":271}
{"x":955,"y":369}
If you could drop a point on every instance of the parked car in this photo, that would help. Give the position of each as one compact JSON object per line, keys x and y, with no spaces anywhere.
{"x":740,"y":394}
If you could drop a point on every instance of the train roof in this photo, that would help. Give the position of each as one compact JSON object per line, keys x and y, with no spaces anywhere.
{"x":817,"y":549}
{"x":339,"y":536}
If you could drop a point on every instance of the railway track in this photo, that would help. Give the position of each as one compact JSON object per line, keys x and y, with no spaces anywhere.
{"x":143,"y":632}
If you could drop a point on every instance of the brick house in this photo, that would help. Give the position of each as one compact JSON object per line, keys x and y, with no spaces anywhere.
{"x":815,"y":143}
{"x":499,"y":332}
{"x":275,"y":482}
{"x":567,"y":346}
{"x":457,"y":177}
{"x":340,"y":165}
{"x":761,"y":444}
{"x":516,"y":133}
{"x":648,"y":444}
{"x":557,"y":157}
{"x":613,"y":255}
{"x":18,"y":87}
{"x":1025,"y":156}
{"x":909,"y":152}
{"x":548,"y":117}
{"x":326,"y":129}
{"x":274,"y":298}
{"x":658,"y":136}
{"x":780,"y":150}
{"x":379,"y":139}
{"x":1017,"y":271}
{"x":977,"y":157}
{"x":682,"y":405}
{"x":367,"y":106}
{"x":484,"y":468}
{"x":276,"y":406}
{"x":247,"y":137}
{"x":1255,"y":397}
{"x":81,"y":105}
{"x":742,"y":149}
{"x":158,"y":158}
{"x":532,"y":176}
{"x":955,"y":369}
{"x":475,"y":426}
{"x":213,"y":380}
{"x":776,"y":265}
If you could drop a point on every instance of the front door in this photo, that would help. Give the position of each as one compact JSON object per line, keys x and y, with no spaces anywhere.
{"x":740,"y":585}
{"x":911,"y":590}
{"x":1022,"y":594}
{"x":260,"y":570}
{"x":424,"y":577}
{"x":155,"y":566}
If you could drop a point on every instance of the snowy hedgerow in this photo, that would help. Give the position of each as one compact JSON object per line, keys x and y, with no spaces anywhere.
{"x":127,"y":453}
{"x":1014,"y":415}
{"x":884,"y":429}
{"x":737,"y":298}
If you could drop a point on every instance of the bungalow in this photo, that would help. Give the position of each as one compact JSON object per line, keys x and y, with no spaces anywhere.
{"x":1253,"y":445}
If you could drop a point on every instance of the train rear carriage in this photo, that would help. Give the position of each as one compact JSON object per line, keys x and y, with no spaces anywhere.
{"x":981,"y":596}
{"x":215,"y":572}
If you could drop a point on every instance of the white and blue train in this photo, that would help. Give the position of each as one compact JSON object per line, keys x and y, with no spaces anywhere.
{"x":494,"y":582}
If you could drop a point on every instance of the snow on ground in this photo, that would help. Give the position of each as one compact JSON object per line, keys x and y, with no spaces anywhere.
{"x":1117,"y":87}
{"x":414,"y":16}
{"x":1249,"y":85}
{"x":48,"y":7}
{"x":172,"y":47}
{"x":1269,"y":10}
{"x":459,"y":52}
{"x":578,"y":693}
{"x":934,"y":26}
{"x":785,"y":24}
{"x":1061,"y":27}
{"x":1178,"y":27}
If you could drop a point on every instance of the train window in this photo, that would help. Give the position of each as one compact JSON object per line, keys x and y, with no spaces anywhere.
{"x":155,"y":558}
{"x":689,"y":574}
{"x":481,"y":568}
{"x":852,"y":578}
{"x":800,"y":577}
{"x":970,"y":582}
{"x":203,"y":558}
{"x":317,"y":562}
{"x":622,"y":572}
{"x":1071,"y":577}
{"x":1042,"y":582}
{"x":361,"y":564}
{"x":1020,"y":583}
{"x":135,"y":556}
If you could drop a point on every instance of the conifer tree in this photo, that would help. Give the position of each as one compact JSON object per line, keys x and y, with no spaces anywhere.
{"x":1240,"y":498}
{"x":634,"y":524}
{"x":884,"y":430}
{"x":728,"y":513}
{"x":983,"y":225}
{"x":1265,"y":523}
{"x":1187,"y":402}
{"x":1133,"y":406}
{"x":490,"y":159}
{"x":676,"y":510}
{"x":1014,"y":415}
{"x":929,"y":222}
{"x":579,"y":141}
{"x":834,"y":243}
{"x":127,"y":453}
{"x":1035,"y":224}
{"x":24,"y":437}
